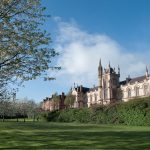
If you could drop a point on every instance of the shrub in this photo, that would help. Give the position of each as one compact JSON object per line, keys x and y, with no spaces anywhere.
{"x":134,"y":112}
{"x":68,"y":115}
{"x":83,"y":115}
{"x":50,"y":116}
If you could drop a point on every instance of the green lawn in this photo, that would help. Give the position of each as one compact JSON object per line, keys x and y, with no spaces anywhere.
{"x":43,"y":135}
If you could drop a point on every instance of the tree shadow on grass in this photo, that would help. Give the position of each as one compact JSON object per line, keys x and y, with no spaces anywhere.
{"x":63,"y":136}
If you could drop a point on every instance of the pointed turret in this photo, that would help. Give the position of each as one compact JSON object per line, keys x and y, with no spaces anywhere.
{"x":100,"y":69}
{"x":100,"y":62}
{"x":100,"y":73}
{"x":118,"y":70}
{"x":146,"y":73}
{"x":110,"y":70}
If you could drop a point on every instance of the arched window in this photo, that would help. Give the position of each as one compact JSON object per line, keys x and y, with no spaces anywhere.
{"x":122,"y":94}
{"x":95,"y":97}
{"x":137,"y":91}
{"x":105,"y":85}
{"x":145,"y":89}
{"x":105,"y":94}
{"x":91,"y":98}
{"x":105,"y":90}
{"x":129,"y":93}
{"x":114,"y":93}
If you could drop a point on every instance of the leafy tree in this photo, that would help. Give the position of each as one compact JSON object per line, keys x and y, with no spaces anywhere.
{"x":26,"y":107}
{"x":56,"y":101}
{"x":17,"y":109}
{"x":25,"y":51}
{"x":69,"y":100}
{"x":5,"y":104}
{"x":33,"y":109}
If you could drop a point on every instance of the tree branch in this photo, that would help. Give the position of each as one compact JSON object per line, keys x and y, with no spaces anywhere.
{"x":4,"y":63}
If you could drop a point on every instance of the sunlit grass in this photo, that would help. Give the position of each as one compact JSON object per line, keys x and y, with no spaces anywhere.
{"x":43,"y":135}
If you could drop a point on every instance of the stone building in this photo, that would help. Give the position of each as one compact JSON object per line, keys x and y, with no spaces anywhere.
{"x":80,"y":93}
{"x":110,"y":89}
{"x":49,"y":104}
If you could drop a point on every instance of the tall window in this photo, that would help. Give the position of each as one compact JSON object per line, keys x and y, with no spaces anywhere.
{"x":105,"y":90}
{"x":105,"y":94}
{"x":114,"y":93}
{"x":95,"y":96}
{"x":91,"y":98}
{"x":145,"y":89}
{"x":122,"y":94}
{"x":105,"y":85}
{"x":129,"y":93}
{"x":137,"y":91}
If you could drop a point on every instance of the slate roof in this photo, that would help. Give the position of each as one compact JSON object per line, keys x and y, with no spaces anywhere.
{"x":84,"y":89}
{"x":133,"y":80}
{"x":123,"y":82}
{"x":94,"y":88}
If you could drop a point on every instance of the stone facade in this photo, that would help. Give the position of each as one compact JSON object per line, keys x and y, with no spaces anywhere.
{"x":80,"y":96}
{"x":136,"y":87}
{"x":49,"y":105}
{"x":110,"y":89}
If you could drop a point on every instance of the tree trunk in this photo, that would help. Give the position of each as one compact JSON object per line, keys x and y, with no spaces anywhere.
{"x":24,"y":119}
{"x":17,"y":118}
{"x":3,"y":117}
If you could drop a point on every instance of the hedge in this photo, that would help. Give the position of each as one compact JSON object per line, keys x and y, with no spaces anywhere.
{"x":133,"y":112}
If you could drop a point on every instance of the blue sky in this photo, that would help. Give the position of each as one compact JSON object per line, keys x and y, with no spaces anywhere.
{"x":83,"y":31}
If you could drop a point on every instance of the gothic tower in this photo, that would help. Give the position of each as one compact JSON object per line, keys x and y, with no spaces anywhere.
{"x":100,"y":77}
{"x":100,"y":73}
{"x":108,"y":84}
{"x":146,"y":73}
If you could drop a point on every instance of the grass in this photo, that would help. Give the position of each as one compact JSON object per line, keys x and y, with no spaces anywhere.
{"x":43,"y":135}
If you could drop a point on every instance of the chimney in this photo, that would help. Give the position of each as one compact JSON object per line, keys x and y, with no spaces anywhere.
{"x":63,"y":95}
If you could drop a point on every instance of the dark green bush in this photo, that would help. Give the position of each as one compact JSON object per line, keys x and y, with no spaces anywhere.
{"x":147,"y":116}
{"x":83,"y":115}
{"x":134,"y":112}
{"x":77,"y":115}
{"x":50,"y":116}
{"x":95,"y":111}
{"x":68,"y":115}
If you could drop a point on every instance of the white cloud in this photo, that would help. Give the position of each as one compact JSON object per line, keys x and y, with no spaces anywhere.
{"x":80,"y":52}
